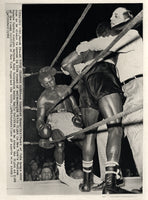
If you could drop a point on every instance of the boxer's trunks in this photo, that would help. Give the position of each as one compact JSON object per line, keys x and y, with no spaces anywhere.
{"x":101,"y":80}
{"x":62,"y":121}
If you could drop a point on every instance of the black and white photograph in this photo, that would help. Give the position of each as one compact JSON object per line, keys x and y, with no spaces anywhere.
{"x":76,"y":99}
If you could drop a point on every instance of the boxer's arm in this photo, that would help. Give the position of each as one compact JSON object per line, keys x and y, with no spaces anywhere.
{"x":73,"y":58}
{"x":40,"y":114}
{"x":100,"y":43}
{"x":96,"y":44}
{"x":69,"y":62}
{"x":75,"y":107}
{"x":77,"y":119}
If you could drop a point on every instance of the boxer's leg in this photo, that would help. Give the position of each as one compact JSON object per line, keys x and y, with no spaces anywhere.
{"x":60,"y":163}
{"x":59,"y":156}
{"x":59,"y":153}
{"x":110,"y":105}
{"x":90,"y":116}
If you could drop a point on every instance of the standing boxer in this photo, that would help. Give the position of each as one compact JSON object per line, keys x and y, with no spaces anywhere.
{"x":129,"y":66}
{"x":100,"y":93}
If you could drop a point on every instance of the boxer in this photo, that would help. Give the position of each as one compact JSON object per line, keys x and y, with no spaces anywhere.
{"x":100,"y":93}
{"x":64,"y":119}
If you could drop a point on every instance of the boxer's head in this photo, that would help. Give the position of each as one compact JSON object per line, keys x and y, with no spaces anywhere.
{"x":46,"y":77}
{"x":119,"y":16}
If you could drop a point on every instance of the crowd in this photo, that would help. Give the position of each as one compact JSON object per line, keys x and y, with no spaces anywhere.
{"x":36,"y":168}
{"x":43,"y":169}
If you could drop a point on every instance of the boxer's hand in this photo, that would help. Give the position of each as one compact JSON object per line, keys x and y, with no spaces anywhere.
{"x":57,"y":134}
{"x":77,"y":121}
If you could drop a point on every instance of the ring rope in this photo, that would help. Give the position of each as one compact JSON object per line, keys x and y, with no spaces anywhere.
{"x":30,"y":143}
{"x":100,"y":123}
{"x":26,"y":75}
{"x":136,"y":20}
{"x":95,"y":125}
{"x":66,"y":41}
{"x":71,"y":33}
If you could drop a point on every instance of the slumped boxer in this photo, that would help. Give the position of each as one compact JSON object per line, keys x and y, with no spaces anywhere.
{"x":63,"y":120}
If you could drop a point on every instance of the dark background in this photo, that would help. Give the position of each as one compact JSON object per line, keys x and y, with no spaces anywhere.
{"x":45,"y":29}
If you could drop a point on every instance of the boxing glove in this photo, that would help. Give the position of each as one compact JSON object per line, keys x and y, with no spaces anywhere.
{"x":45,"y":132}
{"x":57,"y":135}
{"x":77,"y":121}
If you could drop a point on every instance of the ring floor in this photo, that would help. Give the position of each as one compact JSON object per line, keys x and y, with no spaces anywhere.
{"x":55,"y":187}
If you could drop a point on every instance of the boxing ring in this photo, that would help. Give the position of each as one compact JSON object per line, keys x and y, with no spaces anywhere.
{"x":55,"y":187}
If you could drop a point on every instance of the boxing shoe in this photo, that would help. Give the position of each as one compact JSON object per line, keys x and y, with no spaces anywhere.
{"x":116,"y":190}
{"x":86,"y":185}
{"x":119,"y":178}
{"x":100,"y":186}
{"x":95,"y":183}
{"x":110,"y":182}
{"x":119,"y":181}
{"x":88,"y":176}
